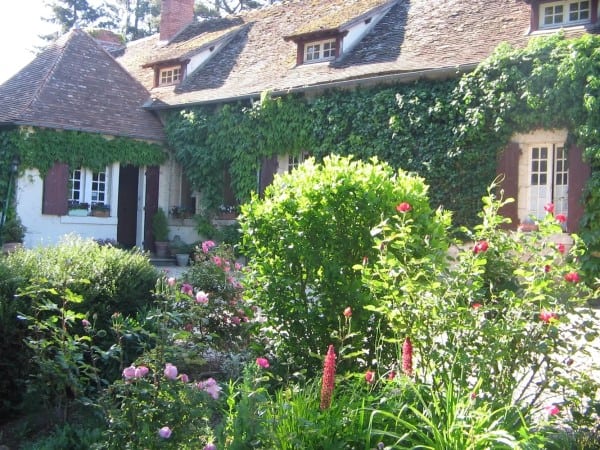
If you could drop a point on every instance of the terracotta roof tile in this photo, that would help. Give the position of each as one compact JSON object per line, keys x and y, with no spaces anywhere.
{"x":75,"y":84}
{"x":337,"y":15}
{"x":414,"y":36}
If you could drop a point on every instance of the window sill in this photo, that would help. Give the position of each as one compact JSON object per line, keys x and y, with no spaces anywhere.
{"x":552,"y":30}
{"x":89,"y":220}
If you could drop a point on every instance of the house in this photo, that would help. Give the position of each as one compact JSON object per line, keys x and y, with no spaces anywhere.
{"x":304,"y":47}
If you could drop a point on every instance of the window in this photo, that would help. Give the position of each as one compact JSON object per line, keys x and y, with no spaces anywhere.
{"x":320,"y":51}
{"x":169,"y":75}
{"x":561,"y":13}
{"x":295,"y":160}
{"x":549,"y":173}
{"x":88,"y":187}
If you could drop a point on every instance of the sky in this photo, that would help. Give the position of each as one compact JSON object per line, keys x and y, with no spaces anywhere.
{"x":20,"y":26}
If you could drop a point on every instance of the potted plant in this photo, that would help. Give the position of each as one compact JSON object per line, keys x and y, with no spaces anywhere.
{"x":77,"y":208}
{"x":160,"y":229}
{"x":100,"y":210}
{"x":182,"y":251}
{"x":13,"y":233}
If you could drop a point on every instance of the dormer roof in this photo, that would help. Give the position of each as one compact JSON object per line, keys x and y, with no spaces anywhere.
{"x":74,"y":84}
{"x":194,"y":39}
{"x":339,"y":18}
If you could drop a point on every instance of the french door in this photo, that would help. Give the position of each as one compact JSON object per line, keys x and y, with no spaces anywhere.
{"x":549,"y":178}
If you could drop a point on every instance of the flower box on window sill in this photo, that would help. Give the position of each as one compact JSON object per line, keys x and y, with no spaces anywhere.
{"x":227,"y":216}
{"x":101,"y":212}
{"x":78,"y":212}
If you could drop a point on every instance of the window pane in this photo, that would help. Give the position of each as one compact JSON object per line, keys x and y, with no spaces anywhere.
{"x":543,"y":179}
{"x":544,"y":153}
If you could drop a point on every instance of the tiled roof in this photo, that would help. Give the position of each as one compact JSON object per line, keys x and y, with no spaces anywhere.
{"x":75,"y":84}
{"x":338,"y":14}
{"x":414,"y":36}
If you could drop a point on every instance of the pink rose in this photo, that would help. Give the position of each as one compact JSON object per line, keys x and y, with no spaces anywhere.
{"x":348,"y":312}
{"x":552,"y":410}
{"x":561,"y":248}
{"x":262,"y":362}
{"x":86,"y":323}
{"x":184,"y":378}
{"x":165,"y":432}
{"x":211,"y":387}
{"x":171,"y":281}
{"x":129,"y":372}
{"x":207,"y":246}
{"x":549,"y":207}
{"x":202,"y":297}
{"x":210,"y":446}
{"x":187,"y":289}
{"x":170,"y":371}
{"x":476,"y":305}
{"x":141,"y":371}
{"x":370,"y":376}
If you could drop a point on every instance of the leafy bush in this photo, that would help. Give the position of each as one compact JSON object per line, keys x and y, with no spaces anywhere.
{"x":57,"y":288}
{"x":215,"y":273}
{"x":12,"y":334}
{"x":304,"y":238}
{"x":156,"y":404}
{"x":507,"y":319}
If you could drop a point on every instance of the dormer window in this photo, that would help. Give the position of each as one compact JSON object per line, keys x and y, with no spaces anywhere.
{"x":169,"y":75}
{"x":564,"y":13}
{"x":320,"y":51}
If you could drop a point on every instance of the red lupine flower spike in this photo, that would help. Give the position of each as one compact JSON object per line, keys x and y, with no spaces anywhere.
{"x":407,"y":353}
{"x":328,"y":378}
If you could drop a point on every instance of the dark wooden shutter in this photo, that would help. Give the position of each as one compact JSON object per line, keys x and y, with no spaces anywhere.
{"x":508,"y":168}
{"x":151,"y":206}
{"x":268,"y":169}
{"x":55,"y":194}
{"x":579,"y":173}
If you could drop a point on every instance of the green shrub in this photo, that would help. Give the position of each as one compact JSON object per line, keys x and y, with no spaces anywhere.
{"x":97,"y":282}
{"x":12,"y":334}
{"x":507,"y":319}
{"x":304,"y":238}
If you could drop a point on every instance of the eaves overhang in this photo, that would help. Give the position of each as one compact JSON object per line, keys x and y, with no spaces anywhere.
{"x":388,"y":78}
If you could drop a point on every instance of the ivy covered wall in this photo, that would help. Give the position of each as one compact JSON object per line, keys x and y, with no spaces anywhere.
{"x":40,"y":148}
{"x":450,"y":132}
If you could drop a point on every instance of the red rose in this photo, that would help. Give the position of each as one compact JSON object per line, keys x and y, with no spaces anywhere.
{"x":561,"y":218}
{"x":572,"y":277}
{"x":548,"y":316}
{"x":481,"y":246}
{"x":403,"y":207}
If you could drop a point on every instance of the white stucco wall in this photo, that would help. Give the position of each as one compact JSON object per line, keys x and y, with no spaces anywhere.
{"x":45,"y":229}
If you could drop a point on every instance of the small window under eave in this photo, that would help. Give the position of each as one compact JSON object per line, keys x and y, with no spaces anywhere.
{"x":548,"y":15}
{"x":169,"y":75}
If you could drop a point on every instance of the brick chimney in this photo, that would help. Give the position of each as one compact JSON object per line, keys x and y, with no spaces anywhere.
{"x":174,"y":16}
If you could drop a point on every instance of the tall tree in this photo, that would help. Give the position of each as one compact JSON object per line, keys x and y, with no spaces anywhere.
{"x":139,"y":17}
{"x":217,"y":8}
{"x":67,"y":14}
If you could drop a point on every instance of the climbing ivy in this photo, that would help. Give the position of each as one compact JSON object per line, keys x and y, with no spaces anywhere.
{"x":450,"y":132}
{"x":40,"y":148}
